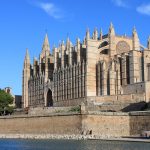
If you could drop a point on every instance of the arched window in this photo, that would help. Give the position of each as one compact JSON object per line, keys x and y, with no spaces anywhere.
{"x":49,"y":102}
{"x":105,"y":43}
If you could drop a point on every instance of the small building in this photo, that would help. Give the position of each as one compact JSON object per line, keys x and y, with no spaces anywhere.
{"x":17,"y":103}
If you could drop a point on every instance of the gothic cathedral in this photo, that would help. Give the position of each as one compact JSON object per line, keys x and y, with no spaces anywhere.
{"x":102,"y":69}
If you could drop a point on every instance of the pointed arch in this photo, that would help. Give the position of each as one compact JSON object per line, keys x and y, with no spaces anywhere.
{"x":49,"y":99}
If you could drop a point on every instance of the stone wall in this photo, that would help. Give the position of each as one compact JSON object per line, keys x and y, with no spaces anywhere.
{"x":123,"y":98}
{"x":55,"y":124}
{"x":106,"y":125}
{"x":134,"y":88}
{"x":112,"y":124}
{"x":116,"y":124}
{"x":139,"y":121}
{"x":48,"y":110}
{"x":69,"y":102}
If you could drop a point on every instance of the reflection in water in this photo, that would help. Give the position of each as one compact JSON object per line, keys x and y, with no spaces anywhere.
{"x":20,"y":144}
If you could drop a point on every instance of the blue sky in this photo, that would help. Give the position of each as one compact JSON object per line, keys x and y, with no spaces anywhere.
{"x":23,"y":24}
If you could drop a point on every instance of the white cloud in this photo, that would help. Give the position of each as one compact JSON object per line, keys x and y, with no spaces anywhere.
{"x":144,"y":9}
{"x":120,"y":3}
{"x":51,"y":10}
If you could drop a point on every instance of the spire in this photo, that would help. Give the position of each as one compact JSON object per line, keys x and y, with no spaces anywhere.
{"x":46,"y":67}
{"x":53,"y":50}
{"x":78,"y":41}
{"x":63,"y":43}
{"x":68,"y":40}
{"x":27,"y":59}
{"x":134,"y":33}
{"x":135,"y":38}
{"x":101,"y":34}
{"x":35,"y":66}
{"x":67,"y":43}
{"x":84,"y":41}
{"x":111,"y":25}
{"x":112,"y":45}
{"x":26,"y":77}
{"x":95,"y":34}
{"x":78,"y":50}
{"x":111,"y":29}
{"x":27,"y":54}
{"x":62,"y":54}
{"x":46,"y":46}
{"x":148,"y":43}
{"x":87,"y":33}
{"x":134,"y":29}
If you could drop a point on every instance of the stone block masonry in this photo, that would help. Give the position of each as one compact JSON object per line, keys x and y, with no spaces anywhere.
{"x":103,"y":125}
{"x":55,"y":124}
{"x":105,"y":65}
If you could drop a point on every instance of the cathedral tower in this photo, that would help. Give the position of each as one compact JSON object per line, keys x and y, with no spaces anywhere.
{"x":26,"y":76}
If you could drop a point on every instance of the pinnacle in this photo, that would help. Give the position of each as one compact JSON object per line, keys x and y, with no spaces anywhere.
{"x":134,"y":29}
{"x":111,"y":29}
{"x":87,"y":33}
{"x":148,"y":42}
{"x":68,"y":39}
{"x":111,"y":25}
{"x":63,"y":42}
{"x":46,"y":37}
{"x":95,"y":29}
{"x":46,"y":44}
{"x":87,"y":30}
{"x":78,"y":40}
{"x":101,"y":31}
{"x":27,"y":54}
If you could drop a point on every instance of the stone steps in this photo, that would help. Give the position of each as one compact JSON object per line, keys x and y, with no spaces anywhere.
{"x":114,"y":107}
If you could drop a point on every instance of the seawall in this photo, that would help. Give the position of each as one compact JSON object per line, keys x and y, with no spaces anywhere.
{"x":102,"y":125}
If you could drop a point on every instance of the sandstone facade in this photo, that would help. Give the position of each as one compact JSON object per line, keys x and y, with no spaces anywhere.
{"x":99,"y":68}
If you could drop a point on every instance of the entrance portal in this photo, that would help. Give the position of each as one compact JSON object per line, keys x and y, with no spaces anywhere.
{"x":49,"y":99}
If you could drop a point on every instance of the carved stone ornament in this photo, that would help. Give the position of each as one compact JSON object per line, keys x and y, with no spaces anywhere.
{"x":122,"y":46}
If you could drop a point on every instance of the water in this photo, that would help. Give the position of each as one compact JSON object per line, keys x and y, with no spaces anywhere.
{"x":20,"y":144}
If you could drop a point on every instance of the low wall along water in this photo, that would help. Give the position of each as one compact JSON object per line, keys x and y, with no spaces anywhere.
{"x":110,"y":124}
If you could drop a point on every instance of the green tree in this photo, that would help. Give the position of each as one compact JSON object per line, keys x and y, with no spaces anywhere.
{"x":5,"y":103}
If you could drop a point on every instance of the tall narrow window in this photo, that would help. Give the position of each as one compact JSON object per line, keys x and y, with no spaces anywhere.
{"x":108,"y":83}
{"x":101,"y":78}
{"x":128,"y":69}
{"x":120,"y":62}
{"x":98,"y":79}
{"x":142,"y":68}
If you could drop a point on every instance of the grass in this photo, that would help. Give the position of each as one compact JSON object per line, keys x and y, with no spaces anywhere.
{"x":75,"y":109}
